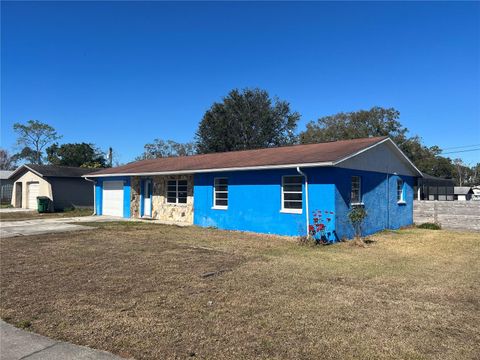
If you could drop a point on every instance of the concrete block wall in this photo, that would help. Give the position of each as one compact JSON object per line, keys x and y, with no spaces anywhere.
{"x":458,"y":215}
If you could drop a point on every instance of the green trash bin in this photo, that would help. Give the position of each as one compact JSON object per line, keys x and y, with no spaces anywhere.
{"x":42,"y":204}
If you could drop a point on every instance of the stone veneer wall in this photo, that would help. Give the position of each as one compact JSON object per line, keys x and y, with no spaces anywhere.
{"x":161,"y":210}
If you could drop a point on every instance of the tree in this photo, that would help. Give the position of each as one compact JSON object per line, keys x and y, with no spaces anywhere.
{"x":7,"y":161}
{"x":427,"y":159}
{"x":76,"y":154}
{"x":247,"y":119}
{"x":161,"y":148}
{"x":34,"y":137}
{"x":379,"y":122}
{"x":358,"y":124}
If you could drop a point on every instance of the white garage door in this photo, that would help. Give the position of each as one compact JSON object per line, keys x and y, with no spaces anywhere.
{"x":112,"y":199}
{"x":33,"y":189}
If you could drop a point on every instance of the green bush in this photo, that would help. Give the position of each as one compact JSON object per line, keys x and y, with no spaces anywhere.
{"x":430,"y":226}
{"x":356,"y":216}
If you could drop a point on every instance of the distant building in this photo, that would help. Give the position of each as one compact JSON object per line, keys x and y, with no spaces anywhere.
{"x":476,"y":192}
{"x":434,"y":188}
{"x":63,"y":185}
{"x":6,"y":186}
{"x":463,"y":193}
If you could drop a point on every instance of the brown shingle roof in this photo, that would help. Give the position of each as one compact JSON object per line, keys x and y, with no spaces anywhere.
{"x":53,"y":171}
{"x":287,"y":155}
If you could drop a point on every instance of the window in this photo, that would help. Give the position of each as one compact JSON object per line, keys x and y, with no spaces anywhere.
{"x":356,"y":194}
{"x":220,"y":193}
{"x":400,"y":197}
{"x":292,"y":195}
{"x":177,"y":191}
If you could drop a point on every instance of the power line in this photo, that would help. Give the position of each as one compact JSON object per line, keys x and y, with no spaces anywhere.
{"x":460,"y":151}
{"x":460,"y":147}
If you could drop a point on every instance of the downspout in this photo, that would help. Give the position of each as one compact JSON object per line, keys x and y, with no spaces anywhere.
{"x":94,"y":196}
{"x":388,"y":200}
{"x":306,"y":200}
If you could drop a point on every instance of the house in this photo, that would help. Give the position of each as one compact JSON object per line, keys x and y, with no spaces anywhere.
{"x":6,"y":186}
{"x":273,"y":190}
{"x":463,"y":193}
{"x":476,"y":192}
{"x":432,"y":188}
{"x":63,"y":185}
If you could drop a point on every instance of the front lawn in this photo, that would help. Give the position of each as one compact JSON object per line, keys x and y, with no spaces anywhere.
{"x":31,"y":215}
{"x":158,"y":292}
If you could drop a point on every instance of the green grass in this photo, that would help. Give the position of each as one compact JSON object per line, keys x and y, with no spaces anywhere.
{"x":429,"y":226}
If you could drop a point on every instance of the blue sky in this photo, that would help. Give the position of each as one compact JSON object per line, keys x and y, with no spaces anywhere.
{"x":123,"y":73}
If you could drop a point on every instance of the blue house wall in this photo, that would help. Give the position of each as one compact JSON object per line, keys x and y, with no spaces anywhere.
{"x":126,"y":194}
{"x":254,"y":201}
{"x":379,"y":198}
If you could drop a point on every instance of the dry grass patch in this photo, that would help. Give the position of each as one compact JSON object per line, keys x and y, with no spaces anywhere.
{"x":33,"y":215}
{"x":140,"y":290}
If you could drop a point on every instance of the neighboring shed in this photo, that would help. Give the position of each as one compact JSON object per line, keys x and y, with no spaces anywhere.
{"x":273,"y":190}
{"x":63,"y":185}
{"x":463,"y":193}
{"x":6,"y":186}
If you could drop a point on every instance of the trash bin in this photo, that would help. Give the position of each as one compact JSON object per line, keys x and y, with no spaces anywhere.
{"x":42,"y":204}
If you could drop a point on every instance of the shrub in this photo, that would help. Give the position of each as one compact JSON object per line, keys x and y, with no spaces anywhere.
{"x":430,"y":226}
{"x":24,"y":324}
{"x":356,"y":216}
{"x":307,"y":241}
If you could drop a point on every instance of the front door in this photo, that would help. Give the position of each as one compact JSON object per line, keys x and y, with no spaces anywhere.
{"x":147,"y":198}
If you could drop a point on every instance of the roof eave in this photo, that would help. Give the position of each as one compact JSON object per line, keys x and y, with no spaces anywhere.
{"x":21,"y":168}
{"x":180,"y":172}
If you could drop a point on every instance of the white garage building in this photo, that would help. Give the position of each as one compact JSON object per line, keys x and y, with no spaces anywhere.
{"x":63,"y":185}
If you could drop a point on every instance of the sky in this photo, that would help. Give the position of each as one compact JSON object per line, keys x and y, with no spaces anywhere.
{"x":121,"y":74}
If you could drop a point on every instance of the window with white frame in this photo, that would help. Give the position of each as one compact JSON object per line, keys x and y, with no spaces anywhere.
{"x":220,"y":193}
{"x":177,"y":191}
{"x":400,"y":192}
{"x":356,"y":191}
{"x":292,"y":195}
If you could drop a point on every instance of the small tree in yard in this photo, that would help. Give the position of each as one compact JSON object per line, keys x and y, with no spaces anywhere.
{"x":356,"y":216}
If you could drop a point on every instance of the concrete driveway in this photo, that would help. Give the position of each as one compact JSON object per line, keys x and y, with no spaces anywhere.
{"x":46,"y":226}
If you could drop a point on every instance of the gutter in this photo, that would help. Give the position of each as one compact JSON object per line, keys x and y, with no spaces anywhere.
{"x":199,"y":171}
{"x":94,"y":195}
{"x":306,"y":200}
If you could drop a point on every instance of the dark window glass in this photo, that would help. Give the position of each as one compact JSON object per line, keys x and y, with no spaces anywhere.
{"x":177,"y":191}
{"x":220,"y":192}
{"x":292,"y":192}
{"x":356,"y":192}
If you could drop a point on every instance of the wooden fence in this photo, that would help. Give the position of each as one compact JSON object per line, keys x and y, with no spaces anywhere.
{"x":459,"y":215}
